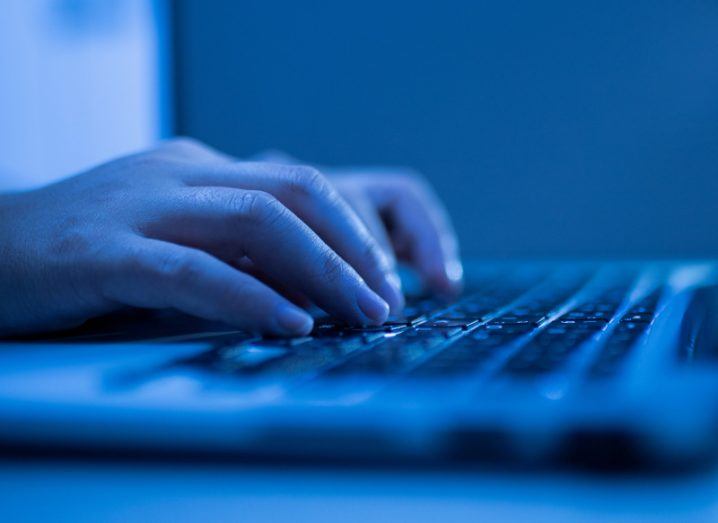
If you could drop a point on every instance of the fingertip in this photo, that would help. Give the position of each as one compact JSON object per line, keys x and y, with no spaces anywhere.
{"x":454,"y":272}
{"x":390,"y":290}
{"x":293,"y":321}
{"x":446,"y":279}
{"x":374,"y":309}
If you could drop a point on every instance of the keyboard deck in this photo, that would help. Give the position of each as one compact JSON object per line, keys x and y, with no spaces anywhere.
{"x":514,"y":325}
{"x":531,"y":361}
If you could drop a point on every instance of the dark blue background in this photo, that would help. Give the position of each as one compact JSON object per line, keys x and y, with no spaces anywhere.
{"x":550,"y":128}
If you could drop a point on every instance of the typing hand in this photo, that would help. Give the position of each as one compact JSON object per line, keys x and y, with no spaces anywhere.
{"x":404,"y":215}
{"x":407,"y":219}
{"x":185,"y":227}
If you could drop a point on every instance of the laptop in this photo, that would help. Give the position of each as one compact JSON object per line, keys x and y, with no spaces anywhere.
{"x":536,"y":364}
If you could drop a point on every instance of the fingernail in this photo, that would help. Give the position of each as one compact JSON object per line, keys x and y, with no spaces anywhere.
{"x":374,"y":308}
{"x":294,"y":321}
{"x":390,"y":290}
{"x":454,"y":271}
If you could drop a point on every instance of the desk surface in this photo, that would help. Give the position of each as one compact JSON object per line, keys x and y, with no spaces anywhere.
{"x":88,"y":491}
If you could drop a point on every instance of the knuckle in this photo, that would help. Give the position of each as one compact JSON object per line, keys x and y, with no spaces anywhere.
{"x":185,"y":143}
{"x":210,"y":196}
{"x":332,"y":269}
{"x":167,"y":266}
{"x":176,"y":267}
{"x":257,"y":207}
{"x":144,"y":162}
{"x":307,"y":181}
{"x":422,"y":184}
{"x":412,"y":179}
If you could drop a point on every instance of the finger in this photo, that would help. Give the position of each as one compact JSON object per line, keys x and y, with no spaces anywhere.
{"x":367,"y":212}
{"x":157,"y":274}
{"x":232,"y":223}
{"x":313,"y":199}
{"x":369,"y":215}
{"x":422,"y":224}
{"x":247,"y":266}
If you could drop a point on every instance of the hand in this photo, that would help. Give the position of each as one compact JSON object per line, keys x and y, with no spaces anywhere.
{"x":405,"y":216}
{"x":185,"y":227}
{"x":408,"y":220}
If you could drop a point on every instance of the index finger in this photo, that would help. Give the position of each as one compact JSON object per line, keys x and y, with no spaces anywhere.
{"x":423,"y":224}
{"x":307,"y":193}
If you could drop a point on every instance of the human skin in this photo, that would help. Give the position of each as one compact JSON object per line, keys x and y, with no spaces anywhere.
{"x":183,"y":226}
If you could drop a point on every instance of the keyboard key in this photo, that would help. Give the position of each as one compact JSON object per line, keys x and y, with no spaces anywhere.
{"x":625,"y":336}
{"x":392,"y":356}
{"x":433,"y":338}
{"x":464,"y":324}
{"x":550,"y":349}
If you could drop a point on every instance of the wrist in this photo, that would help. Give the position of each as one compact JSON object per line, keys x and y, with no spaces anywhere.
{"x":11,"y":295}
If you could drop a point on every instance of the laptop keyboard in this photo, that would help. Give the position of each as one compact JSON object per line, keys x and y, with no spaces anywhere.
{"x":512,"y":326}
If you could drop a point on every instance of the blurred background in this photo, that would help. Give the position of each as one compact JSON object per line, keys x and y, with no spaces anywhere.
{"x":550,"y":129}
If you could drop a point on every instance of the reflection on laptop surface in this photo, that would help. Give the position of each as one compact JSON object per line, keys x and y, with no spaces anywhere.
{"x":609,"y":364}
